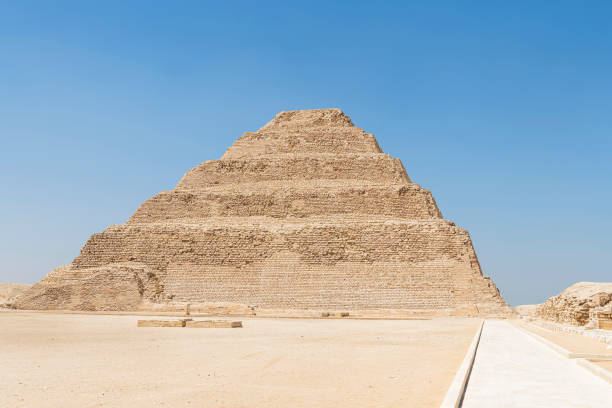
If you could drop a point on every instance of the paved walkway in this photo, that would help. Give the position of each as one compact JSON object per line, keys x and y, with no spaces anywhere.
{"x":514,"y":370}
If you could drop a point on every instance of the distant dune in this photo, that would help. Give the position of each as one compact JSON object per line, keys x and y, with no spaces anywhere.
{"x":526,"y":310}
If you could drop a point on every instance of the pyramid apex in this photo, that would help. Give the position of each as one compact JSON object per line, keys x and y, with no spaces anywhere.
{"x":311,"y":131}
{"x":331,"y":117}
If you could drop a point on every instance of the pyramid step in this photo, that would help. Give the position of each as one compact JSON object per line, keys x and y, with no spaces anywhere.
{"x":237,"y":242}
{"x":313,"y":140}
{"x":293,"y":167}
{"x":403,"y":201}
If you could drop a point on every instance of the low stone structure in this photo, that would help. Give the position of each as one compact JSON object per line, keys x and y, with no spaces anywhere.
{"x":161,"y":323}
{"x":209,"y":324}
{"x":601,"y":319}
{"x":306,"y":214}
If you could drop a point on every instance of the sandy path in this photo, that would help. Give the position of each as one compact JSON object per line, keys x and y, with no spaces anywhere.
{"x":604,"y":364}
{"x":106,"y":361}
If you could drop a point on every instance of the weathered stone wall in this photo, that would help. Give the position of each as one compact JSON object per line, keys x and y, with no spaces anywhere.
{"x":307,"y":213}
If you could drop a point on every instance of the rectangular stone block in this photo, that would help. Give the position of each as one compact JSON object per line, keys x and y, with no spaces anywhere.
{"x":213,"y":324}
{"x":605,"y":324}
{"x":161,"y":323}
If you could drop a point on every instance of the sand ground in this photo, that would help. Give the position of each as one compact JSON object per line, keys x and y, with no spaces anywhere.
{"x":67,"y":360}
{"x":603,"y":364}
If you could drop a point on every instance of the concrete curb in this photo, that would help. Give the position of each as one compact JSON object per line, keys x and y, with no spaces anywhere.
{"x":598,"y":371}
{"x":457,"y":388}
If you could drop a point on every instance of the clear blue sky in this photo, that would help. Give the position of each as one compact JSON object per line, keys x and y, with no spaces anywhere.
{"x":503,"y":109}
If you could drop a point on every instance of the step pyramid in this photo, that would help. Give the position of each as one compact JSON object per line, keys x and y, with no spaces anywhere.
{"x":306,"y":214}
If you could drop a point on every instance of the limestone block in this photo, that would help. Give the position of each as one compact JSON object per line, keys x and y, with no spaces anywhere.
{"x":216,"y":324}
{"x":605,"y":324}
{"x":161,"y":323}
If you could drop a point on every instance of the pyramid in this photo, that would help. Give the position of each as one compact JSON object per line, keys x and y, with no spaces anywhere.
{"x":307,"y":214}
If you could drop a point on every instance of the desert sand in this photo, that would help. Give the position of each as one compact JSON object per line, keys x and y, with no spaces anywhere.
{"x":72,"y":360}
{"x":604,"y":364}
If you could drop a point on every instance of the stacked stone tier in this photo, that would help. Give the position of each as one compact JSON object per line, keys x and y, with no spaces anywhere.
{"x":243,"y":240}
{"x":371,"y":262}
{"x":407,"y":200}
{"x":312,"y":140}
{"x":376,"y":167}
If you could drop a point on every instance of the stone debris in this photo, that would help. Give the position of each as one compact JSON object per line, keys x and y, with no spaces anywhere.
{"x":305,"y":214}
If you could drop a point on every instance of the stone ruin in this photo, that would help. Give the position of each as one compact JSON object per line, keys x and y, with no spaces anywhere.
{"x":190,"y":323}
{"x":582,"y":304}
{"x":305,"y":215}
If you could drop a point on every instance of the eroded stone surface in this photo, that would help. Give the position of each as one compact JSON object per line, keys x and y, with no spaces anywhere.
{"x":307,"y":213}
{"x":576,"y":304}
